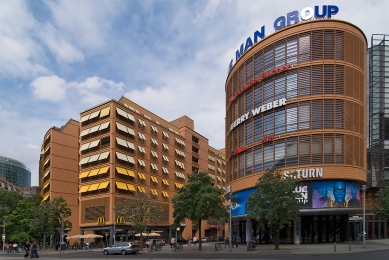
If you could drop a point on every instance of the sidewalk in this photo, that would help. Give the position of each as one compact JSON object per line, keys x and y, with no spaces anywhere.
{"x":307,"y":249}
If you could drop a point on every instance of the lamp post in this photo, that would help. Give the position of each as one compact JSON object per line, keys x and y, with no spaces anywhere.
{"x":230,"y":228}
{"x":114,"y":225}
{"x":3,"y":235}
{"x":62,"y":231}
{"x":364,"y":214}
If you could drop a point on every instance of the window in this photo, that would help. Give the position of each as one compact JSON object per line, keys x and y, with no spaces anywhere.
{"x":180,"y":164}
{"x":141,"y":176}
{"x":165,"y":146}
{"x":154,"y":154}
{"x":180,"y":153}
{"x":165,"y":158}
{"x":141,"y":122}
{"x":180,"y":175}
{"x":154,"y":179}
{"x":165,"y":170}
{"x":154,"y":129}
{"x":258,"y":160}
{"x":180,"y":142}
{"x":153,"y":141}
{"x":165,"y":194}
{"x":154,"y":167}
{"x":249,"y":162}
{"x":141,"y":163}
{"x":165,"y":135}
{"x":141,"y":189}
{"x":258,"y":128}
{"x":141,"y":136}
{"x":141,"y":149}
{"x":165,"y":182}
{"x":268,"y":156}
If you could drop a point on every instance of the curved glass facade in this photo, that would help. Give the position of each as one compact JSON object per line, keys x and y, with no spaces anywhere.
{"x":15,"y":172}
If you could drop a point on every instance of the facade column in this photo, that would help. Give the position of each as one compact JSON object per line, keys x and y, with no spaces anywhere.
{"x":297,"y":231}
{"x":249,"y":230}
{"x":110,"y":233}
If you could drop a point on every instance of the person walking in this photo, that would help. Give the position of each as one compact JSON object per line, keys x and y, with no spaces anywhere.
{"x":194,"y":240}
{"x":234,"y":241}
{"x":26,"y":247}
{"x":34,"y":250}
{"x":172,"y":242}
{"x":227,"y":242}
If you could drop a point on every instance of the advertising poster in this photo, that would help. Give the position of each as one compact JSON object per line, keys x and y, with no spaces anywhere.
{"x":239,"y":200}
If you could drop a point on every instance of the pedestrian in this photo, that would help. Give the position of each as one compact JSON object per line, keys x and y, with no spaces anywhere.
{"x":234,"y":241}
{"x":82,"y":245}
{"x":34,"y":250}
{"x":194,"y":240}
{"x":20,"y":248}
{"x":172,"y":242}
{"x":26,"y":247}
{"x":189,"y":241}
{"x":7,"y":247}
{"x":227,"y":242}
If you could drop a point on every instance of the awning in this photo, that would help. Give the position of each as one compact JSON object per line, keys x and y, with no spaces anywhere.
{"x":47,"y":173}
{"x":104,"y":112}
{"x":141,"y":189}
{"x":104,"y":126}
{"x":141,"y":149}
{"x":141,"y":122}
{"x":141,"y":162}
{"x":104,"y":170}
{"x":94,"y":129}
{"x":47,"y":184}
{"x":121,"y":112}
{"x":165,"y":158}
{"x":84,"y":146}
{"x":103,"y":185}
{"x":93,"y":187}
{"x":121,"y":185}
{"x":141,"y":136}
{"x":94,"y":172}
{"x":154,"y":166}
{"x":165,"y":194}
{"x":131,"y":131}
{"x":94,"y":115}
{"x":46,"y":197}
{"x":165,"y":134}
{"x":141,"y":176}
{"x":84,"y":118}
{"x":121,"y":127}
{"x":164,"y":181}
{"x":131,"y":159}
{"x":83,"y":174}
{"x":178,"y":185}
{"x":154,"y":192}
{"x":165,"y":170}
{"x":121,"y":142}
{"x":130,"y":173}
{"x":46,"y":162}
{"x":85,"y":132}
{"x":154,"y":128}
{"x":130,"y":187}
{"x":104,"y":156}
{"x":154,"y":154}
{"x":154,"y":141}
{"x":121,"y":156}
{"x":94,"y":143}
{"x":130,"y":145}
{"x":131,"y":117}
{"x":84,"y":160}
{"x":93,"y":158}
{"x":84,"y":189}
{"x":121,"y":170}
{"x":154,"y":179}
{"x":165,"y":146}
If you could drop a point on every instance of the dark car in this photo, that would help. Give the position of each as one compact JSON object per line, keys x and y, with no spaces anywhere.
{"x":218,"y":239}
{"x":182,"y":241}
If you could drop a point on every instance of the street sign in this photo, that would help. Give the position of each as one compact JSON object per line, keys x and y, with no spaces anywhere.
{"x":3,"y":236}
{"x":114,"y":231}
{"x":114,"y":235}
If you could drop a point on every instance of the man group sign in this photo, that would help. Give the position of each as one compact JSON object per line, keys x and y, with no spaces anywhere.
{"x":308,"y":13}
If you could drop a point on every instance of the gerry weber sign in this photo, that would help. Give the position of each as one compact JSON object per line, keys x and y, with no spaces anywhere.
{"x":308,"y":13}
{"x":277,"y":103}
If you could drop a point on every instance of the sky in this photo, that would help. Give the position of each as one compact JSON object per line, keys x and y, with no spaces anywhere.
{"x":59,"y":58}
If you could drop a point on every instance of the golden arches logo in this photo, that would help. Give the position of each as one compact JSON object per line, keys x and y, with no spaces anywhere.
{"x":101,"y":220}
{"x":120,"y":220}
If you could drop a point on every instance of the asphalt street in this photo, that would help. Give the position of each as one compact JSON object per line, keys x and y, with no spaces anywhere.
{"x":375,"y":249}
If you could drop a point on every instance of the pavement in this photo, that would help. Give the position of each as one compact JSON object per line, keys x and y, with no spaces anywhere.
{"x":303,"y":249}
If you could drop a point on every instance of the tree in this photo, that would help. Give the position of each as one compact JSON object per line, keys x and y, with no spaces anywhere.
{"x":198,"y":200}
{"x":274,"y":202}
{"x":381,"y":205}
{"x":140,"y":211}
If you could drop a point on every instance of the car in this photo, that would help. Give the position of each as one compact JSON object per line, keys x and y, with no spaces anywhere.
{"x":206,"y":239}
{"x":121,"y":248}
{"x":218,"y":239}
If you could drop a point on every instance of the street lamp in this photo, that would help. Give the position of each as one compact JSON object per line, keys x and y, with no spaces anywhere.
{"x":364,"y":214}
{"x":62,"y":231}
{"x":114,"y":225}
{"x":3,"y":235}
{"x":230,"y":228}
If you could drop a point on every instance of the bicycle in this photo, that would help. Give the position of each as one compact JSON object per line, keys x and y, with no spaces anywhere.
{"x":251,"y":245}
{"x":217,"y":247}
{"x":156,"y":247}
{"x":177,"y":247}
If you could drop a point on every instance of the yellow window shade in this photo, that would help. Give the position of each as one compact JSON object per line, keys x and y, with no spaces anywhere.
{"x":177,"y":184}
{"x":154,"y":191}
{"x":93,"y":187}
{"x":83,"y":175}
{"x":130,"y":173}
{"x":103,"y":185}
{"x":165,"y":182}
{"x":121,"y":170}
{"x":154,"y":179}
{"x":141,"y":189}
{"x":130,"y":187}
{"x":46,"y":197}
{"x":104,"y":170}
{"x":94,"y":172}
{"x":165,"y":194}
{"x":47,"y":184}
{"x":84,"y":189}
{"x":121,"y":185}
{"x":141,"y":175}
{"x":104,"y":112}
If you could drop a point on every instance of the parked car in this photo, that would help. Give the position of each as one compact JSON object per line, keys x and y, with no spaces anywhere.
{"x":206,"y":239}
{"x":218,"y":239}
{"x":121,"y":248}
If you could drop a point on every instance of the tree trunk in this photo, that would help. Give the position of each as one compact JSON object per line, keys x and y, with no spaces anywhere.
{"x":277,"y":240}
{"x":141,"y":241}
{"x":200,"y":245}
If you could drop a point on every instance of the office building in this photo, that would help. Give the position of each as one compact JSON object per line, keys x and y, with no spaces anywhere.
{"x":15,"y":172}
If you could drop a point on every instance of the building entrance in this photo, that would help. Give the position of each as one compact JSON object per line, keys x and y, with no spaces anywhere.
{"x":324,"y":229}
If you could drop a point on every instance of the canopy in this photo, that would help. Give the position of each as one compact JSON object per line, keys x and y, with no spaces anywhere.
{"x":143,"y":234}
{"x":91,"y":236}
{"x":154,"y":234}
{"x":75,"y":237}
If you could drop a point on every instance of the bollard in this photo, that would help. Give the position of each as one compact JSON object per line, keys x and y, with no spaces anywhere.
{"x":349,"y":245}
{"x":335,"y":247}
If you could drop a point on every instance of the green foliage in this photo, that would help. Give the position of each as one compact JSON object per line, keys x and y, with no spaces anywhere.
{"x":139,"y":211}
{"x":274,"y":202}
{"x":198,"y":200}
{"x":8,"y":202}
{"x":381,"y":205}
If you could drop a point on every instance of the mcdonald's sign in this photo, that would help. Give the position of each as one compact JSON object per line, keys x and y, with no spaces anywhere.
{"x":120,"y":220}
{"x":101,"y":220}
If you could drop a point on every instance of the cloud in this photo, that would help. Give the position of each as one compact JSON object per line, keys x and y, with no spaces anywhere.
{"x":50,"y":88}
